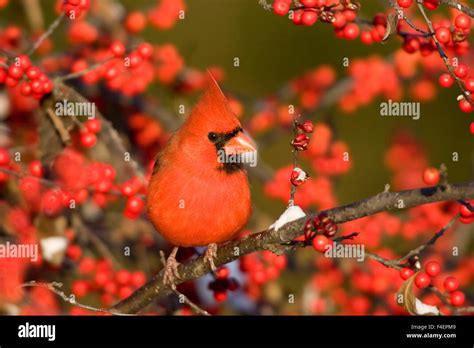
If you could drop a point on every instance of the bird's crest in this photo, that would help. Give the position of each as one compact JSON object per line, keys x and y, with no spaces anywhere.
{"x":212,"y":111}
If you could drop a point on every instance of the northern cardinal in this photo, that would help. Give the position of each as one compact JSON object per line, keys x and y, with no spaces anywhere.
{"x":194,"y":197}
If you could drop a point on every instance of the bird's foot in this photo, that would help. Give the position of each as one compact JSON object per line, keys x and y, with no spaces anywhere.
{"x":210,"y":255}
{"x":171,"y":268}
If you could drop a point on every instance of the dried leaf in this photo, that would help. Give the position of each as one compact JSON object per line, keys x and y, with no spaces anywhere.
{"x":392,"y":22}
{"x":405,"y":296}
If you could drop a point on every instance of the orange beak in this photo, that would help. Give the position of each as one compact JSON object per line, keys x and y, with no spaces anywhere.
{"x":239,"y":145}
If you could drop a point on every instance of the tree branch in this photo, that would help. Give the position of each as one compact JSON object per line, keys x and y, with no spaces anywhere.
{"x":271,"y":239}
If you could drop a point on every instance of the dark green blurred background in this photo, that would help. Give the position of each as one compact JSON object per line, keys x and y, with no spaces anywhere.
{"x":272,"y":51}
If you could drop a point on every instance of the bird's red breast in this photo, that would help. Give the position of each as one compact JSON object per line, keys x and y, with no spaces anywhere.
{"x":193,"y":198}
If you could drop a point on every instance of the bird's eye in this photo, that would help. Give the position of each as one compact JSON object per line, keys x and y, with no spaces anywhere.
{"x":212,"y":136}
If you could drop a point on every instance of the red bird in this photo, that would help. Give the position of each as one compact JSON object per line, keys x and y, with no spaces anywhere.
{"x":199,"y":192}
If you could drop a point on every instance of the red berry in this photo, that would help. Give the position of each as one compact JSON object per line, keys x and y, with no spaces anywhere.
{"x":125,"y":292}
{"x":135,"y":22}
{"x":11,"y":82}
{"x":281,"y":8}
{"x":24,"y":61}
{"x":101,"y":278}
{"x":309,"y":17}
{"x":222,"y":273}
{"x":33,"y":73}
{"x":406,"y":273}
{"x":117,"y":48}
{"x":431,"y":4}
{"x":451,"y":284}
{"x":123,"y":277}
{"x":88,"y":139}
{"x":297,"y":17}
{"x":339,"y":20}
{"x":366,"y":37}
{"x":135,"y":60}
{"x":4,"y":157}
{"x":36,"y":168}
{"x":47,"y":87}
{"x":469,"y":84}
{"x":138,"y":279}
{"x":93,"y":126}
{"x":411,"y":45}
{"x":321,"y":243}
{"x":309,"y":3}
{"x":15,"y":72}
{"x":465,"y":212}
{"x":37,"y":86}
{"x":443,"y":35}
{"x":80,"y":288}
{"x":432,"y":268}
{"x":405,"y":3}
{"x":145,"y":50}
{"x":351,"y":31}
{"x":220,"y":296}
{"x":110,"y":287}
{"x":461,"y":71}
{"x":465,"y":105}
{"x":462,"y":21}
{"x":134,"y":205}
{"x":457,"y":298}
{"x":422,"y":280}
{"x":51,"y":203}
{"x":86,"y":265}
{"x":74,"y":252}
{"x":431,"y":176}
{"x":25,"y":89}
{"x":446,"y":80}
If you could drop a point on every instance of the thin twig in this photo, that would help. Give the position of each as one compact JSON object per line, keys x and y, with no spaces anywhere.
{"x":52,"y":27}
{"x":71,"y":299}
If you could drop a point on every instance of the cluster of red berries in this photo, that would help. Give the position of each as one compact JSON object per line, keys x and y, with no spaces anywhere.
{"x":301,"y":141}
{"x":317,"y":192}
{"x":101,"y":280}
{"x":222,"y":283}
{"x":261,"y":268}
{"x":31,"y":80}
{"x":341,"y":15}
{"x":88,"y":137}
{"x":77,"y":178}
{"x":166,"y":13}
{"x":128,"y":73}
{"x":373,"y":77}
{"x":328,"y":157}
{"x":319,"y":230}
{"x":74,"y":8}
{"x":147,"y":132}
{"x":433,"y":269}
{"x":461,"y":71}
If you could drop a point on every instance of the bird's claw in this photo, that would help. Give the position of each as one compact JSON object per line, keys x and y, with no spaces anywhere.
{"x":210,"y":255}
{"x":171,"y":269}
